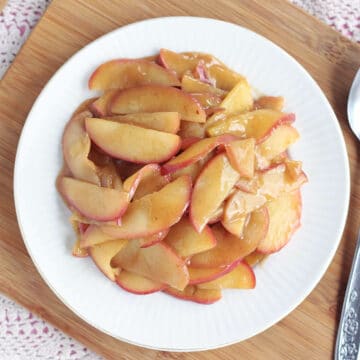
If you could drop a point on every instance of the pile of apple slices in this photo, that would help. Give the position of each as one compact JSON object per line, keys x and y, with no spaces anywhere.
{"x":178,"y":180}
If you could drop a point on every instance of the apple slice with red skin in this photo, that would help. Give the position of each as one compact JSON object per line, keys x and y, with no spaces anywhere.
{"x":188,"y":141}
{"x":192,"y":85}
{"x":195,"y":152}
{"x":131,"y":183}
{"x":278,"y":142}
{"x":155,"y":98}
{"x":137,"y":284}
{"x":145,"y":181}
{"x":132,"y":143}
{"x":153,"y":239}
{"x":201,"y":275}
{"x":101,"y":106}
{"x":126,"y":73}
{"x":269,"y":102}
{"x":154,"y":212}
{"x":280,"y":178}
{"x":160,"y":121}
{"x":157,"y":262}
{"x":94,"y":236}
{"x":217,"y":178}
{"x":181,"y":63}
{"x":185,"y":241}
{"x":230,"y":248}
{"x":103,"y":253}
{"x":193,"y":293}
{"x":284,"y":215}
{"x":93,"y":201}
{"x":76,"y":147}
{"x":241,"y":277}
{"x":218,"y":73}
{"x":257,"y":124}
{"x":241,"y":154}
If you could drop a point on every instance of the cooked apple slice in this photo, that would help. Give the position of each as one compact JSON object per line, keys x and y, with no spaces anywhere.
{"x":84,"y":222}
{"x":278,"y":142}
{"x":280,"y":178}
{"x":230,"y":248}
{"x":78,"y":251}
{"x":195,"y":152}
{"x":186,"y":242}
{"x":242,"y":277}
{"x":217,"y":215}
{"x":236,"y":226}
{"x":103,"y":253}
{"x":192,"y":293}
{"x":154,"y":212}
{"x":157,"y":262}
{"x":199,"y":275}
{"x":126,"y":73}
{"x":153,"y":239}
{"x":158,"y":98}
{"x":241,"y":154}
{"x":242,"y":203}
{"x":248,"y":185}
{"x":254,"y":258}
{"x":191,"y":170}
{"x":180,"y":63}
{"x":212,"y":186}
{"x":131,"y":183}
{"x":192,"y":85}
{"x":284,"y":214}
{"x":269,"y":102}
{"x":151,"y":181}
{"x":84,"y":106}
{"x":190,"y":129}
{"x":224,"y":77}
{"x":76,"y":147}
{"x":207,"y":100}
{"x":101,"y":106}
{"x":238,"y":100}
{"x":256,"y":124}
{"x":122,"y":141}
{"x":161,"y":121}
{"x":189,"y":141}
{"x":93,"y":236}
{"x":93,"y":201}
{"x":137,"y":284}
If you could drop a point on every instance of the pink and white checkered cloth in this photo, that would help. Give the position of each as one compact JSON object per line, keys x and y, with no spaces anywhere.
{"x":23,"y":336}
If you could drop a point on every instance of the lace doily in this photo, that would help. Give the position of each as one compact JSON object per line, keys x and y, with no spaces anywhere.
{"x":23,"y":336}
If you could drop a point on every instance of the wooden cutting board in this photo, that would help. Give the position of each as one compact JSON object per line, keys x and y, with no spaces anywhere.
{"x":309,"y":331}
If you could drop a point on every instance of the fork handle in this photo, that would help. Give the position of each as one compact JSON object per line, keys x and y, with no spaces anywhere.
{"x":348,"y":336}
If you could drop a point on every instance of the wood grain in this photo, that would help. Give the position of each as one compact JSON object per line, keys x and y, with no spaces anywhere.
{"x":309,"y":331}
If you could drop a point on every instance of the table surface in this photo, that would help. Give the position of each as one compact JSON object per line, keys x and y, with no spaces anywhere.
{"x":67,"y":26}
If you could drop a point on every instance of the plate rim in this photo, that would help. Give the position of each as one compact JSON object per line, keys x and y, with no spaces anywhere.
{"x":310,"y":285}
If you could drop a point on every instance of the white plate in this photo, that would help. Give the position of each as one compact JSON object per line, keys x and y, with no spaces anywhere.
{"x":160,"y":321}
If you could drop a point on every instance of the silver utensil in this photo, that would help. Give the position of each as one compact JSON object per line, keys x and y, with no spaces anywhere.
{"x":348,"y":336}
